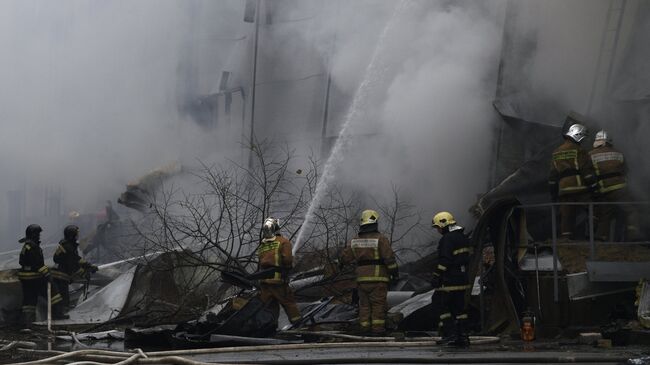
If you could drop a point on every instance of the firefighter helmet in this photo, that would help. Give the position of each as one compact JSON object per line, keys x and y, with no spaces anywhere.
{"x":32,"y":232}
{"x":602,"y":138}
{"x":270,"y":227}
{"x":442,"y":220}
{"x":368,"y":217}
{"x":71,"y":232}
{"x":577,"y":132}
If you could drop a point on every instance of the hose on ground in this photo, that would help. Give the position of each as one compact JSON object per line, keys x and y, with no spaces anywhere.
{"x":95,"y":357}
{"x":76,"y":340}
{"x":18,"y":344}
{"x":474,"y":340}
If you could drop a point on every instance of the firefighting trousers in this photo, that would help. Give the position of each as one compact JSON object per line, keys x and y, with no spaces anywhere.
{"x":453,"y":315}
{"x":568,"y":212}
{"x":63,"y":287}
{"x":372,"y":306}
{"x":283,"y":295}
{"x":34,"y":288}
{"x":606,"y":213}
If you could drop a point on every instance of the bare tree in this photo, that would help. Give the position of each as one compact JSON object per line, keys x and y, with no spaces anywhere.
{"x":210,"y":217}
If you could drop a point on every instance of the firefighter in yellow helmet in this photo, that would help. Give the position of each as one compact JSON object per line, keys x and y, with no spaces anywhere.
{"x":609,"y":166}
{"x":451,"y":281}
{"x":374,"y":258}
{"x":571,"y":177}
{"x":274,"y":252}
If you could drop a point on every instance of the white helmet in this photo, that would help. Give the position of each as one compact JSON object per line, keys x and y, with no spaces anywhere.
{"x":270,"y":227}
{"x":602,"y":138}
{"x":577,"y":132}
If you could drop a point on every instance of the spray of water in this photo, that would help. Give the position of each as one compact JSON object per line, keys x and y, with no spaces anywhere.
{"x":372,"y":75}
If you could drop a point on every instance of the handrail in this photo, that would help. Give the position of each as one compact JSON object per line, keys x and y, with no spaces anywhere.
{"x":592,"y":243}
{"x":542,"y":205}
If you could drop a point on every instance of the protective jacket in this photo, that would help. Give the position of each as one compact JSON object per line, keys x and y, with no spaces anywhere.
{"x":70,"y":264}
{"x":373,"y":256}
{"x":275,"y":253}
{"x":571,"y":170}
{"x":32,"y":264}
{"x":454,"y":252}
{"x":609,"y":166}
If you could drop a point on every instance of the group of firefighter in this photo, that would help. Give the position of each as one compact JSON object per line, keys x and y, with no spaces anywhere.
{"x":370,"y":252}
{"x":375,"y":268}
{"x":35,"y":276}
{"x":578,"y":177}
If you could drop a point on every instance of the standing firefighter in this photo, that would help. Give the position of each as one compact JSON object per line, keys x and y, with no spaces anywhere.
{"x":34,"y":275}
{"x":70,"y":265}
{"x":450,"y":280}
{"x":376,"y":267}
{"x":274,"y":253}
{"x":610,"y":169}
{"x":571,"y":177}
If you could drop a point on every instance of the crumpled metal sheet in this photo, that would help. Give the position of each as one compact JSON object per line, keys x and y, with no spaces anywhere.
{"x":413,"y":304}
{"x":105,"y":304}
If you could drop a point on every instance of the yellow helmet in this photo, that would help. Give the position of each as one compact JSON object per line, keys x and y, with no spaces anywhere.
{"x":369,"y":217}
{"x":443,"y":219}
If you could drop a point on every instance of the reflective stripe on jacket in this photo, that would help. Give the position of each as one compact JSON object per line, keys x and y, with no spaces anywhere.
{"x":571,"y":170}
{"x":609,"y":166}
{"x":275,"y":253}
{"x":32,"y":264}
{"x":373,"y":256}
{"x":70,"y":263}
{"x":454,"y":254}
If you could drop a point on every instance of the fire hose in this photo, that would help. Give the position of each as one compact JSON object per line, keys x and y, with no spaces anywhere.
{"x":96,"y":357}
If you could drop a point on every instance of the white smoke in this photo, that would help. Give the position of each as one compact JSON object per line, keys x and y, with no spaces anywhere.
{"x":427,"y":125}
{"x":91,"y":92}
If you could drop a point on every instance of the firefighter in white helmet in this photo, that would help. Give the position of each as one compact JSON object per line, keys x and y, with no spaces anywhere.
{"x":274,"y":252}
{"x":610,"y":169}
{"x":571,"y":177}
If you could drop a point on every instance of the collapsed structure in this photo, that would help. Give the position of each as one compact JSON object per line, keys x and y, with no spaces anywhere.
{"x":520,"y":267}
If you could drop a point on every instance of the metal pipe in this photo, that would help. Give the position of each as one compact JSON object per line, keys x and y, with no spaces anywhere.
{"x":49,"y":306}
{"x":556,"y":293}
{"x":254,"y":82}
{"x":591,"y":231}
{"x":539,"y":300}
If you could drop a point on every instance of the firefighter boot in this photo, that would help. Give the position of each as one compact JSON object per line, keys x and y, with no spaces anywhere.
{"x":29,"y":318}
{"x":461,"y":340}
{"x":58,"y":312}
{"x":446,"y":331}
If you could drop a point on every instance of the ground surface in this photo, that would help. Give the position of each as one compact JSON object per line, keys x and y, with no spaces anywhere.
{"x":506,"y":351}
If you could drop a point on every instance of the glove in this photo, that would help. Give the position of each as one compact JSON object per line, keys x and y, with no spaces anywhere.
{"x":436,"y":282}
{"x":93,"y":269}
{"x":394,"y":276}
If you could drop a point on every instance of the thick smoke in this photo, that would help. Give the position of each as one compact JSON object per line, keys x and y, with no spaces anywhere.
{"x":572,"y":56}
{"x":426,"y":125}
{"x":91,"y":93}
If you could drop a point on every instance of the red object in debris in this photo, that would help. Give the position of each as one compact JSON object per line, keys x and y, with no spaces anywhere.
{"x":528,"y":328}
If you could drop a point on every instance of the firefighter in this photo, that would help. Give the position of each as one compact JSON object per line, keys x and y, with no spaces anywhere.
{"x":451,"y":281}
{"x":34,"y":276}
{"x":375,"y":268}
{"x":571,"y":177}
{"x":609,"y":167}
{"x":274,"y":252}
{"x":70,"y":265}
